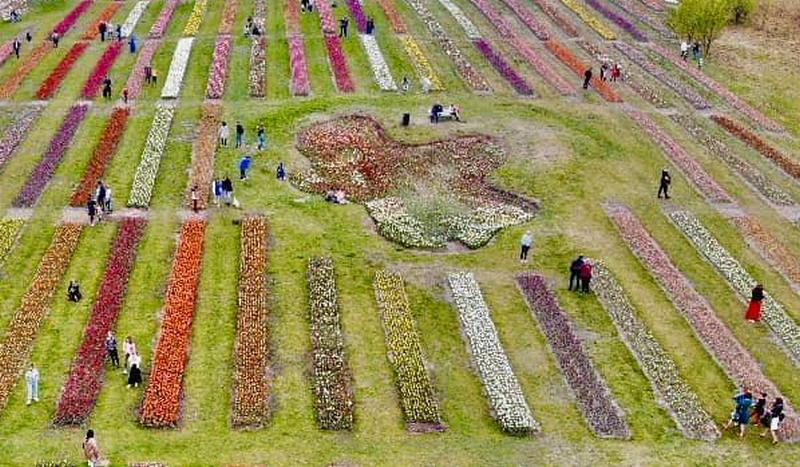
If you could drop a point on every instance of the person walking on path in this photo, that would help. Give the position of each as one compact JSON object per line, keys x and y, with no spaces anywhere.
{"x":111,"y":348}
{"x":772,"y":422}
{"x":343,"y":24}
{"x":224,"y":132}
{"x":244,"y":166}
{"x":754,"y":309}
{"x":525,"y":246}
{"x":575,"y":272}
{"x":91,"y":450}
{"x":194,"y":198}
{"x":32,"y":383}
{"x":280,"y":172}
{"x":17,"y":46}
{"x":129,"y":348}
{"x":91,"y":210}
{"x":586,"y":276}
{"x":108,"y":207}
{"x":741,"y":412}
{"x":587,"y":78}
{"x":74,"y":291}
{"x":135,"y":373}
{"x":261,"y":135}
{"x":663,"y":186}
{"x":239,"y":134}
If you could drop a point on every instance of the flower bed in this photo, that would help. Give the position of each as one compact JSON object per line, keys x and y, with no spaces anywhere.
{"x":554,"y":14}
{"x":101,"y":70}
{"x":215,"y":88}
{"x":72,"y":17}
{"x":133,"y":17}
{"x":734,"y":359}
{"x":671,"y":389}
{"x":341,"y":72}
{"x":161,"y":405}
{"x":358,"y":15}
{"x":785,"y":162}
{"x":195,"y":18}
{"x":689,"y":95}
{"x":228,"y":17}
{"x":17,"y":130}
{"x":11,"y":84}
{"x":332,"y":381}
{"x":503,"y":68}
{"x":573,"y":63}
{"x":396,"y":224}
{"x":93,"y":30}
{"x":596,"y":402}
{"x":494,"y":369}
{"x":618,"y":19}
{"x":136,"y":78}
{"x":395,"y":20}
{"x":420,"y":62}
{"x":326,"y":18}
{"x":203,"y":151}
{"x":414,"y":387}
{"x":146,"y":172}
{"x":704,"y":183}
{"x":468,"y":73}
{"x":380,"y":70}
{"x":637,"y":11}
{"x":164,"y":18}
{"x":656,"y":5}
{"x":251,"y":381}
{"x":258,"y":66}
{"x":298,"y":67}
{"x":729,"y":97}
{"x":43,"y":172}
{"x":469,"y":28}
{"x":180,"y":59}
{"x":769,"y":248}
{"x":21,"y":332}
{"x":292,"y":19}
{"x":769,"y":190}
{"x":590,"y":19}
{"x":9,"y":231}
{"x":80,"y":392}
{"x":56,"y":77}
{"x":523,"y":13}
{"x":738,"y":279}
{"x":103,"y":153}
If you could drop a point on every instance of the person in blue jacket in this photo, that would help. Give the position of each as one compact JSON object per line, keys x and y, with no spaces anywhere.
{"x":244,"y":166}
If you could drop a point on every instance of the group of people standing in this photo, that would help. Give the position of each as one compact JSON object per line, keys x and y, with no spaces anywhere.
{"x":581,"y":270}
{"x":696,"y":52}
{"x":110,"y":31}
{"x":133,"y":360}
{"x":100,"y":204}
{"x":749,"y":411}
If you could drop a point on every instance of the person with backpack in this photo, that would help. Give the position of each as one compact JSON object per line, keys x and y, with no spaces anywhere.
{"x":575,"y":272}
{"x":586,"y":276}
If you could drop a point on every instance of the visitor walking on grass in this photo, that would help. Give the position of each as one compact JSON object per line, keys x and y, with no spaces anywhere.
{"x":32,"y":383}
{"x":111,"y":349}
{"x":586,"y":276}
{"x":587,"y":78}
{"x":17,"y":46}
{"x":91,"y":210}
{"x":244,"y":166}
{"x":343,"y":24}
{"x":224,"y":132}
{"x":280,"y":172}
{"x":772,"y":422}
{"x":54,"y":38}
{"x":74,"y":291}
{"x":239,"y":134}
{"x":129,"y":348}
{"x":91,"y":450}
{"x":135,"y":373}
{"x":108,"y":207}
{"x":525,"y":246}
{"x":759,"y":409}
{"x":132,"y":43}
{"x":261,"y":135}
{"x":216,"y":189}
{"x":575,"y":272}
{"x":754,"y":309}
{"x":741,"y":413}
{"x":227,"y":190}
{"x":666,"y":181}
{"x":102,"y":27}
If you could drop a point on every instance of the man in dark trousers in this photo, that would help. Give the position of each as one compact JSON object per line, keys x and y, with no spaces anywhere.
{"x":575,"y":273}
{"x":102,"y":27}
{"x":587,"y":78}
{"x":17,"y":46}
{"x":343,"y":23}
{"x":239,"y":134}
{"x":665,"y":182}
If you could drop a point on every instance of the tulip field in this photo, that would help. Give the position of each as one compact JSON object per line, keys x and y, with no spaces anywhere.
{"x":398,"y":327}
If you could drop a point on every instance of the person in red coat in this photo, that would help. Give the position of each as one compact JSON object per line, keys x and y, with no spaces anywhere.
{"x":754,"y":310}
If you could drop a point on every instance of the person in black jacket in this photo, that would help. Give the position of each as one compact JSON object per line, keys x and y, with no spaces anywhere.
{"x":575,"y":272}
{"x":773,"y":420}
{"x":587,"y":78}
{"x":663,"y":187}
